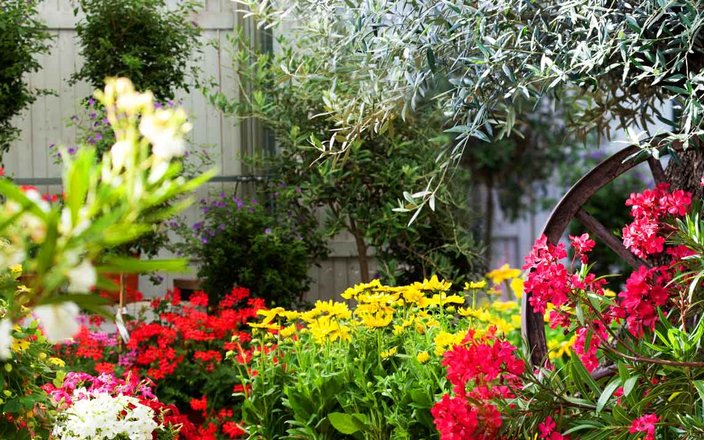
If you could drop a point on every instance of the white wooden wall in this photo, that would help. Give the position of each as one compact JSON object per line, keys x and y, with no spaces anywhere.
{"x":46,"y":123}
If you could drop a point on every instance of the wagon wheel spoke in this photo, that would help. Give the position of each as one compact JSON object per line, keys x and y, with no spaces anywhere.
{"x":608,"y":238}
{"x":656,"y":170}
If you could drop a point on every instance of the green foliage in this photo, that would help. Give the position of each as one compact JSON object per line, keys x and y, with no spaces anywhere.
{"x":602,"y":65}
{"x":22,"y":38}
{"x":266,"y":248}
{"x":360,"y":192}
{"x":142,"y":40}
{"x":21,"y":376}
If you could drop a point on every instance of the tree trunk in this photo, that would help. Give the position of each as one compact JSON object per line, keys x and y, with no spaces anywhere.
{"x":362,"y":257}
{"x":687,"y":173}
{"x":488,"y":219}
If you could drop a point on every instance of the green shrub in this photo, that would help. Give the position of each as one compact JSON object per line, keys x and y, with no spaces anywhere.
{"x":139,"y":39}
{"x":268,"y":249}
{"x":22,"y":38}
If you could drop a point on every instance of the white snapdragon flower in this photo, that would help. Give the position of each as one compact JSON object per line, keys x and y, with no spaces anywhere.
{"x":66,"y":226}
{"x":119,"y":153}
{"x":133,"y":102}
{"x":5,"y":338}
{"x":59,"y":321}
{"x":82,"y":278}
{"x":165,"y":129}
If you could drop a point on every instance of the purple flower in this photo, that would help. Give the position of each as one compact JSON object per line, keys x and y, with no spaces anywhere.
{"x":267,"y":231}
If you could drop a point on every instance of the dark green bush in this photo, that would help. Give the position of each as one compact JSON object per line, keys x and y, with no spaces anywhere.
{"x":22,"y":38}
{"x":267,"y":249}
{"x":139,"y":39}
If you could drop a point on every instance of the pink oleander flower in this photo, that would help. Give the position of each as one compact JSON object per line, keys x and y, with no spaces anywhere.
{"x":547,"y":430}
{"x":645,"y":423}
{"x":582,"y":245}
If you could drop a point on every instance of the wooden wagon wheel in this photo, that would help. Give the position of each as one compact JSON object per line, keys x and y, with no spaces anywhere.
{"x":571,"y":207}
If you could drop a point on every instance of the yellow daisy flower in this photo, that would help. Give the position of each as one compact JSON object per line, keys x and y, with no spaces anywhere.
{"x":503,"y":273}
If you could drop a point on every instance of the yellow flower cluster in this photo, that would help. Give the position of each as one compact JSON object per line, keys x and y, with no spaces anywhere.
{"x":444,"y":341}
{"x":496,"y":315}
{"x":428,"y":309}
{"x":558,"y":349}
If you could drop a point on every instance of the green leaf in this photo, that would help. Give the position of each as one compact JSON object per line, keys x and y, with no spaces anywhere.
{"x":629,"y":384}
{"x":607,"y":393}
{"x":421,"y":397}
{"x":431,"y":59}
{"x":76,"y":182}
{"x":347,"y":423}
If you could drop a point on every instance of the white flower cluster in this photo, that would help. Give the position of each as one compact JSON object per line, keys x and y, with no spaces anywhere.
{"x":98,"y":416}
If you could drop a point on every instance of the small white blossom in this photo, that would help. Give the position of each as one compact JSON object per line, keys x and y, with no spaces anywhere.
{"x":82,"y":278}
{"x":134,"y":102}
{"x":98,"y":416}
{"x":5,"y":338}
{"x":165,"y":129}
{"x":66,"y":226}
{"x":59,"y":321}
{"x":119,"y":153}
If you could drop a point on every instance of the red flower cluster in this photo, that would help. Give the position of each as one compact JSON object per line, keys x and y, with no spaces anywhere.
{"x":587,"y":352}
{"x":182,"y":349}
{"x":548,"y":432}
{"x":644,"y":236}
{"x":481,"y":370}
{"x":550,"y":282}
{"x":582,"y":245}
{"x":548,"y":279}
{"x":645,"y":423}
{"x":646,"y":290}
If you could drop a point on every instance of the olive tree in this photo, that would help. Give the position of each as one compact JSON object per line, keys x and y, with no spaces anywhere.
{"x":602,"y":64}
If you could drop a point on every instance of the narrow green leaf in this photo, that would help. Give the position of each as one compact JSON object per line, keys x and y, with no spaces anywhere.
{"x":607,"y":393}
